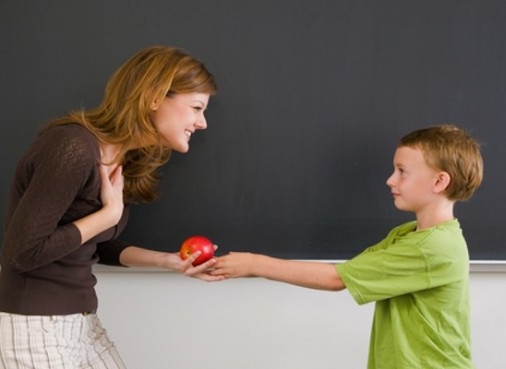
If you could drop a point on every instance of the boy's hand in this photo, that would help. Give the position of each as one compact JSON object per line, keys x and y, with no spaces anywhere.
{"x":234,"y":265}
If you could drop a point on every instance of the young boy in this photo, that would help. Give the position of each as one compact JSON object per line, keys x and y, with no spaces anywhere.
{"x":419,"y":274}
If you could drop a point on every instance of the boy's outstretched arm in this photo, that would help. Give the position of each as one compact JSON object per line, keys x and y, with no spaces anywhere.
{"x":316,"y":275}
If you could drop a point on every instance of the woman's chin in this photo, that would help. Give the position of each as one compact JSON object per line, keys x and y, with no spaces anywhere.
{"x":182,"y":149}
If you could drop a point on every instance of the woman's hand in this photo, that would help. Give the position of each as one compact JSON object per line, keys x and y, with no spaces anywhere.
{"x":185,"y":267}
{"x":134,"y":256}
{"x":111,"y":195}
{"x":111,"y":192}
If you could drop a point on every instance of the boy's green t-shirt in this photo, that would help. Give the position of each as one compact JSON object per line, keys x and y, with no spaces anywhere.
{"x":420,"y":282}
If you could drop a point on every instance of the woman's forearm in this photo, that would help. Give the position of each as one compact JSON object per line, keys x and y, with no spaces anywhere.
{"x":134,"y":256}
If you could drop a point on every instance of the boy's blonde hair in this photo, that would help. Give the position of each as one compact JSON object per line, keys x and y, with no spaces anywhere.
{"x":450,"y":149}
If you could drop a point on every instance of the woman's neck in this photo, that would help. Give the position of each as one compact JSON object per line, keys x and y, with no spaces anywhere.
{"x":109,"y":153}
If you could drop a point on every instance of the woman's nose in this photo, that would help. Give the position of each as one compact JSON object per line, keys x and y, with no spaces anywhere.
{"x":201,"y":123}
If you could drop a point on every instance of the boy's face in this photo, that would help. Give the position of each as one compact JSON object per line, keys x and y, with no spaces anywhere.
{"x":413,"y":182}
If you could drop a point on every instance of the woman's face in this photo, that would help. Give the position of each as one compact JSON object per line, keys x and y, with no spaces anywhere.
{"x":177,"y":117}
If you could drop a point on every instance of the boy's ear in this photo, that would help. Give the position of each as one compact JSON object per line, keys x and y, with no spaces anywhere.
{"x":442,"y":181}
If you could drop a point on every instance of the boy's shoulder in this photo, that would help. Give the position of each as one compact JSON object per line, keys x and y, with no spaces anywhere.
{"x":410,"y":228}
{"x":428,"y":240}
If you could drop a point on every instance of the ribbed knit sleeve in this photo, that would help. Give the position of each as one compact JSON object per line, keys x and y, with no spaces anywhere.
{"x":46,"y":196}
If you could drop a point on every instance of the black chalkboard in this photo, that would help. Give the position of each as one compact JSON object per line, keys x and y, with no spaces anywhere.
{"x":313,"y":98}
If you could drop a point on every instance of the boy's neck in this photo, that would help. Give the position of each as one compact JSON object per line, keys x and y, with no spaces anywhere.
{"x":433,"y":216}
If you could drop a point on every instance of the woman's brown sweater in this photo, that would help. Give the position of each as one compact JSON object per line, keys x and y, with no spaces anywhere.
{"x":44,"y":268}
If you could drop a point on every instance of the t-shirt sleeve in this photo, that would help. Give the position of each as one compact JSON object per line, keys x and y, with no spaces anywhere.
{"x":390,"y":268}
{"x":363,"y":275}
{"x":401,"y":264}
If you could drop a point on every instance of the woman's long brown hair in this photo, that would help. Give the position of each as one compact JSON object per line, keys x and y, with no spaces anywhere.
{"x":123,"y":117}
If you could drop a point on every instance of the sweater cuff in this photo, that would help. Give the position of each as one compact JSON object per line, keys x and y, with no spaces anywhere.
{"x":109,"y":252}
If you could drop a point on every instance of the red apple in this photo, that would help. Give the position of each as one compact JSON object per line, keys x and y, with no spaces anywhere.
{"x":194,"y":244}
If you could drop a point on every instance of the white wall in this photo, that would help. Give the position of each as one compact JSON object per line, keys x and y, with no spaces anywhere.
{"x":163,"y":320}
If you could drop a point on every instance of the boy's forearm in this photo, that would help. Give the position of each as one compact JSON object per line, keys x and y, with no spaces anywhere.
{"x":315,"y":275}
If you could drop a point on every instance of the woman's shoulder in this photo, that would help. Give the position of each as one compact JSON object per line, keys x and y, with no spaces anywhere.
{"x":72,"y":134}
{"x":70,"y":142}
{"x":75,"y":130}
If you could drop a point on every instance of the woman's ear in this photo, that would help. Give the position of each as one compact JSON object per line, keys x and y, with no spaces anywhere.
{"x":155,"y":104}
{"x":442,"y":181}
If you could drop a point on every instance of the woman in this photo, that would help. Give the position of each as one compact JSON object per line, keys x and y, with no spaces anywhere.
{"x":69,"y":202}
